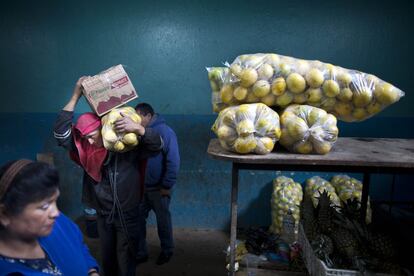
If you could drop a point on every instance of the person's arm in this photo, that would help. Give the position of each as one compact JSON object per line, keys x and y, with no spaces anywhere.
{"x":76,"y":95}
{"x":150,"y":142}
{"x":172,"y":163}
{"x":62,"y":130}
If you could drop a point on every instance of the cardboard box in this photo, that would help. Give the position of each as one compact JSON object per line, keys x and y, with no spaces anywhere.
{"x":108,"y":90}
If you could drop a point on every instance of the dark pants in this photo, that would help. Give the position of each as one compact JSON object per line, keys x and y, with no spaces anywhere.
{"x":117,"y":248}
{"x":160,"y":204}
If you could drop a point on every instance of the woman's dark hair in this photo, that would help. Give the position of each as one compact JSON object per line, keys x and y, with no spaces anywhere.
{"x":34,"y":182}
{"x":145,"y":108}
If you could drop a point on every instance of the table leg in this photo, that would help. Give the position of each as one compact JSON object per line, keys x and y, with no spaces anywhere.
{"x":233,"y":212}
{"x":364,"y":196}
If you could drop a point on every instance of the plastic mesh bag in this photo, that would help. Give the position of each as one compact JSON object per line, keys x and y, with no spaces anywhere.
{"x":216,"y":76}
{"x":119,"y":142}
{"x":248,"y":128}
{"x":307,"y":129}
{"x":278,"y":80}
{"x":286,"y":198}
{"x":316,"y":185}
{"x":350,"y":188}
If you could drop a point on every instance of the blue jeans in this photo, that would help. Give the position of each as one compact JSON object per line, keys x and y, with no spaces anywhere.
{"x":161,"y":206}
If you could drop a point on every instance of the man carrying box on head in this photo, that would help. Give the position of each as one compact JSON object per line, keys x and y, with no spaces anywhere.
{"x":111,"y":181}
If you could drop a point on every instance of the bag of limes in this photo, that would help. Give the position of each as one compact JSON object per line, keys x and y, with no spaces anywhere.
{"x":248,"y":128}
{"x":114,"y":141}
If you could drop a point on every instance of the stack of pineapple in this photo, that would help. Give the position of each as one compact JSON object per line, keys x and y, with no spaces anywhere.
{"x":342,"y":239}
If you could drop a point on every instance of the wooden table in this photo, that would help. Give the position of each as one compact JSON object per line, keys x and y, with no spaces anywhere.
{"x":362,"y":155}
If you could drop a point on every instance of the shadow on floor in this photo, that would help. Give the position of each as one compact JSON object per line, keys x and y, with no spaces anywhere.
{"x":197,"y":252}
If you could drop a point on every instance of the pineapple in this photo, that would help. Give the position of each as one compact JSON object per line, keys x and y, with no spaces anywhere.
{"x":345,"y":243}
{"x":325,"y":213}
{"x":323,"y":247}
{"x":310,"y":225}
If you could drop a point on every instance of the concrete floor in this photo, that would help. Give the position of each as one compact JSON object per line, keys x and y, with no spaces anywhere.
{"x":197,"y":252}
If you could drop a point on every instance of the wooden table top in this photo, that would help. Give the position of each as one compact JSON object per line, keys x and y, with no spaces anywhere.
{"x":352,"y":151}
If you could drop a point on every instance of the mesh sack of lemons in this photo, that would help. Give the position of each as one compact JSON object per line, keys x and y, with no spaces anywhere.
{"x":350,"y":188}
{"x":307,"y":129}
{"x":248,"y":128}
{"x":216,"y":76}
{"x":286,"y":198}
{"x":119,"y":142}
{"x":316,"y":185}
{"x":278,"y":80}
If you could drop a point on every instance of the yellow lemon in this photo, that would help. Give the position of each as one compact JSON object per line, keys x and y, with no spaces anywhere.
{"x":333,"y":131}
{"x":328,"y":104}
{"x":226,"y":93}
{"x":374,"y":108}
{"x":214,"y":86}
{"x":240,"y":93}
{"x":278,"y":86}
{"x":119,"y":146}
{"x":229,"y":116}
{"x":265,"y":72}
{"x":236,"y":69}
{"x":251,"y":97}
{"x":278,"y":132}
{"x":315,"y":115}
{"x":284,"y":68}
{"x":300,"y":98}
{"x":362,"y":98}
{"x":284,"y":100}
{"x":296,"y":83}
{"x":314,"y":95}
{"x":345,"y":78}
{"x":343,"y":109}
{"x":267,"y":144}
{"x":113,"y":116}
{"x":386,"y":93}
{"x":314,"y":78}
{"x":345,"y":95}
{"x":214,"y":74}
{"x":248,"y":77}
{"x":225,"y":132}
{"x":245,"y":127}
{"x":110,"y":136}
{"x":322,"y":147}
{"x":359,"y":113}
{"x":130,"y":139}
{"x":261,"y":88}
{"x":272,"y":59}
{"x":286,"y":115}
{"x":303,"y":147}
{"x":269,"y":100}
{"x":285,"y":139}
{"x":245,"y":145}
{"x":135,"y":117}
{"x":331,"y":88}
{"x":297,"y":128}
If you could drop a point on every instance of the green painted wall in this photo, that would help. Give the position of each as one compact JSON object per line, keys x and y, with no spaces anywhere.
{"x":166,"y":45}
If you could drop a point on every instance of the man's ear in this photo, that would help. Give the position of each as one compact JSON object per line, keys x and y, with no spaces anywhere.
{"x":4,"y":218}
